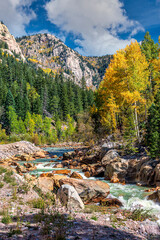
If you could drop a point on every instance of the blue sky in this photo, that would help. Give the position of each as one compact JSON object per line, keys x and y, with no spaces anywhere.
{"x":92,"y":27}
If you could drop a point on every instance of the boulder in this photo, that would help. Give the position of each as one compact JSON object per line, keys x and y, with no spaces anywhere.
{"x":111,"y":202}
{"x":87,"y":174}
{"x":54,"y":156}
{"x":98,"y":171}
{"x":76,"y":175}
{"x":91,"y":159}
{"x":155,"y":196}
{"x":58,"y":165}
{"x":40,"y":154}
{"x":68,"y":155}
{"x":56,"y":179}
{"x":110,"y":155}
{"x":30,"y":166}
{"x":48,"y":175}
{"x":69,"y":197}
{"x":157,"y":175}
{"x":21,"y":169}
{"x":65,"y":172}
{"x":145,"y":174}
{"x":115,"y":166}
{"x":114,"y":180}
{"x":45,"y":184}
{"x":87,"y":189}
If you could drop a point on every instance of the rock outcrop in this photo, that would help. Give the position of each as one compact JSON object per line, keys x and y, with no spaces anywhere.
{"x":51,"y":54}
{"x":7,"y":38}
{"x":69,"y":197}
{"x":88,"y":190}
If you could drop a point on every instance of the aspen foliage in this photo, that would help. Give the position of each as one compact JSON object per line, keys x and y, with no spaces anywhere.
{"x":124,"y":86}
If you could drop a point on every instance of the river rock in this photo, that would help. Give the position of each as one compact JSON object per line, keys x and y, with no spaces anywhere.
{"x":88,"y":189}
{"x":48,"y":175}
{"x":58,"y":165}
{"x":155,"y":196}
{"x":65,"y":172}
{"x":56,"y":179}
{"x":69,"y":197}
{"x":68,"y":155}
{"x":111,"y":202}
{"x":40,"y":154}
{"x":110,"y":155}
{"x":157,"y":175}
{"x":87,"y":174}
{"x":45,"y":184}
{"x":116,"y":167}
{"x":76,"y":175}
{"x":21,"y":169}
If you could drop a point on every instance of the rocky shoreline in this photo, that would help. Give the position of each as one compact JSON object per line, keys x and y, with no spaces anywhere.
{"x":17,"y":149}
{"x":24,"y":198}
{"x":26,"y":212}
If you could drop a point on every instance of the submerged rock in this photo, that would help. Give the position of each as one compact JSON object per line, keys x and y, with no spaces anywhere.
{"x":69,"y":197}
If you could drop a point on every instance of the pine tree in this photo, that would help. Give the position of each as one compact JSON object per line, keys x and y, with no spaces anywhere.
{"x":153,"y":128}
{"x":9,"y":100}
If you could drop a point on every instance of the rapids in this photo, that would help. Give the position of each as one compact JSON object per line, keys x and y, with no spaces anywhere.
{"x":132,"y":196}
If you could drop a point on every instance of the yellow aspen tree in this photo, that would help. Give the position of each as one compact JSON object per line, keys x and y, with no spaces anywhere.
{"x":125,"y":81}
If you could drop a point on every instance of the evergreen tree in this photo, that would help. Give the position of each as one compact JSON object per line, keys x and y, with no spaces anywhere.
{"x":153,"y":128}
{"x":9,"y":100}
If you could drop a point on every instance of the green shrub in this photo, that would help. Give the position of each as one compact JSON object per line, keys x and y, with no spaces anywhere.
{"x":24,"y":188}
{"x":140,"y":215}
{"x":94,"y":218}
{"x":1,"y":185}
{"x":2,"y":170}
{"x":6,"y":219}
{"x":37,"y":203}
{"x":9,"y":179}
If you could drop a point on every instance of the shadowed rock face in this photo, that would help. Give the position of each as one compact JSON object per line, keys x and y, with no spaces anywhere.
{"x":6,"y":37}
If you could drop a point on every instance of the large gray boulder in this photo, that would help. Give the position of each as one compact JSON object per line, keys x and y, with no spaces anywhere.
{"x":115,"y":166}
{"x":110,"y":155}
{"x":69,"y":197}
{"x":88,"y":190}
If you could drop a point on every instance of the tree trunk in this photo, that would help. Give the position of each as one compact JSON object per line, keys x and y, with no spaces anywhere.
{"x":136,"y":123}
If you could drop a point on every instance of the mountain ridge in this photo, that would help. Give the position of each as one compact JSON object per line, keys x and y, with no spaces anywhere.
{"x":50,"y":54}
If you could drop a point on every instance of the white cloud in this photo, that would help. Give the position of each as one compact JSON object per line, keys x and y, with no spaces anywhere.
{"x":16,"y":14}
{"x":96,"y":23}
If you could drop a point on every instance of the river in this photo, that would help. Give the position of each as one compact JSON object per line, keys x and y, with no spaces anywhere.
{"x":132,"y":196}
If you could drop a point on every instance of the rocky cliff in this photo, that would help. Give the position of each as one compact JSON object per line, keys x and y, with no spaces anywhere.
{"x":51,"y":54}
{"x":9,"y":41}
